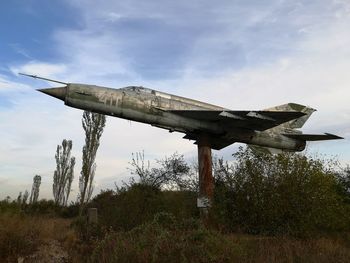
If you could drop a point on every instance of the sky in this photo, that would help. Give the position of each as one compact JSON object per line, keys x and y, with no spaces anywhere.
{"x":239,"y":54}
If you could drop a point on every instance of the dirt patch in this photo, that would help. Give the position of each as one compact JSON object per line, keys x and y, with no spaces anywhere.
{"x":49,"y":251}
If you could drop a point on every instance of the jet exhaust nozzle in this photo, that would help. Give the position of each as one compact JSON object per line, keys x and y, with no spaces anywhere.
{"x":59,"y":93}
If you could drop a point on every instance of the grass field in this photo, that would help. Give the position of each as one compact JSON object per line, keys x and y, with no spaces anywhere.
{"x":26,"y":238}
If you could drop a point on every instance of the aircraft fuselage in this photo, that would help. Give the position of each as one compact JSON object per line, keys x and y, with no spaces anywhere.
{"x":151,"y":107}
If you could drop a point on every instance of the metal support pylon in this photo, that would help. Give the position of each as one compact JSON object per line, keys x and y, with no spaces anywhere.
{"x":206,"y":181}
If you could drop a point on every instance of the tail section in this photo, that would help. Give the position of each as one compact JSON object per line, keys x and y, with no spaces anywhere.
{"x":288,"y":130}
{"x":297,"y":123}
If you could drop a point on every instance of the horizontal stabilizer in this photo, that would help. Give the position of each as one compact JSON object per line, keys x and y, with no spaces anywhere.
{"x":314,"y":137}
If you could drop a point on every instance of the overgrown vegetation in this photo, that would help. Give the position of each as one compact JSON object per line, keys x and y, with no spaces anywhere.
{"x":281,"y":194}
{"x":267,"y":208}
{"x":166,"y":239}
{"x":287,"y":194}
{"x":129,"y":207}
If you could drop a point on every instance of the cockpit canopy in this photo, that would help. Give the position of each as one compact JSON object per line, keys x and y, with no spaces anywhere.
{"x":138,"y":89}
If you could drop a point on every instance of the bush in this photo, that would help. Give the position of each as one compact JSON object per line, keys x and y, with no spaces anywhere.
{"x":280,"y":194}
{"x":70,"y":211}
{"x":137,"y":204}
{"x":165,"y":240}
{"x":42,"y":207}
{"x":9,"y":207}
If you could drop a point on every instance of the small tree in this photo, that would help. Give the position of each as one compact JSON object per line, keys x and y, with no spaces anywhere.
{"x":173,"y":172}
{"x":93,"y":124}
{"x":63,"y":176}
{"x":34,"y":195}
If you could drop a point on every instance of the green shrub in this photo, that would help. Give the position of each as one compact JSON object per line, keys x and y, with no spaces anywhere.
{"x":70,"y":211}
{"x":42,"y":207}
{"x":165,"y":240}
{"x":137,"y":204}
{"x":280,"y":194}
{"x":9,"y":207}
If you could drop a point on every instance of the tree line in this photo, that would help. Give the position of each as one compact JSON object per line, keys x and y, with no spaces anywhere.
{"x":93,"y":125}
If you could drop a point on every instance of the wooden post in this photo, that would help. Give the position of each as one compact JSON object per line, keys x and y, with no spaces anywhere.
{"x":206,"y":181}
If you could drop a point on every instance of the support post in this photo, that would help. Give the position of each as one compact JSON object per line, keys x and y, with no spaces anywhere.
{"x":92,"y":215}
{"x":206,"y":181}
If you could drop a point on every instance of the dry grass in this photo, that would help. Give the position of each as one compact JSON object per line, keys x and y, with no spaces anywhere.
{"x":21,"y":235}
{"x":285,"y":249}
{"x":159,"y":244}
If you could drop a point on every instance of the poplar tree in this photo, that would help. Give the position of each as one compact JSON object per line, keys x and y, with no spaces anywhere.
{"x":93,"y":125}
{"x":34,"y":194}
{"x":64,"y":173}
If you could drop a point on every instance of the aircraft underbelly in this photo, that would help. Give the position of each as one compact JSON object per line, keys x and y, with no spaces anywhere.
{"x":276,"y":141}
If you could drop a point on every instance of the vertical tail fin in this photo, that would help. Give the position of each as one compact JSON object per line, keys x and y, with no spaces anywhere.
{"x":297,"y":123}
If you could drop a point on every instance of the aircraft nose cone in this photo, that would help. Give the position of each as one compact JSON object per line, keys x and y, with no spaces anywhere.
{"x":59,"y":93}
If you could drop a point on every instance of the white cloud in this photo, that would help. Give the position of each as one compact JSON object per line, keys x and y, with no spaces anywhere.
{"x":40,"y":68}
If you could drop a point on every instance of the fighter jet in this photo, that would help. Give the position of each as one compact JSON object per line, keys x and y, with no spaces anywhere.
{"x":272,"y":130}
